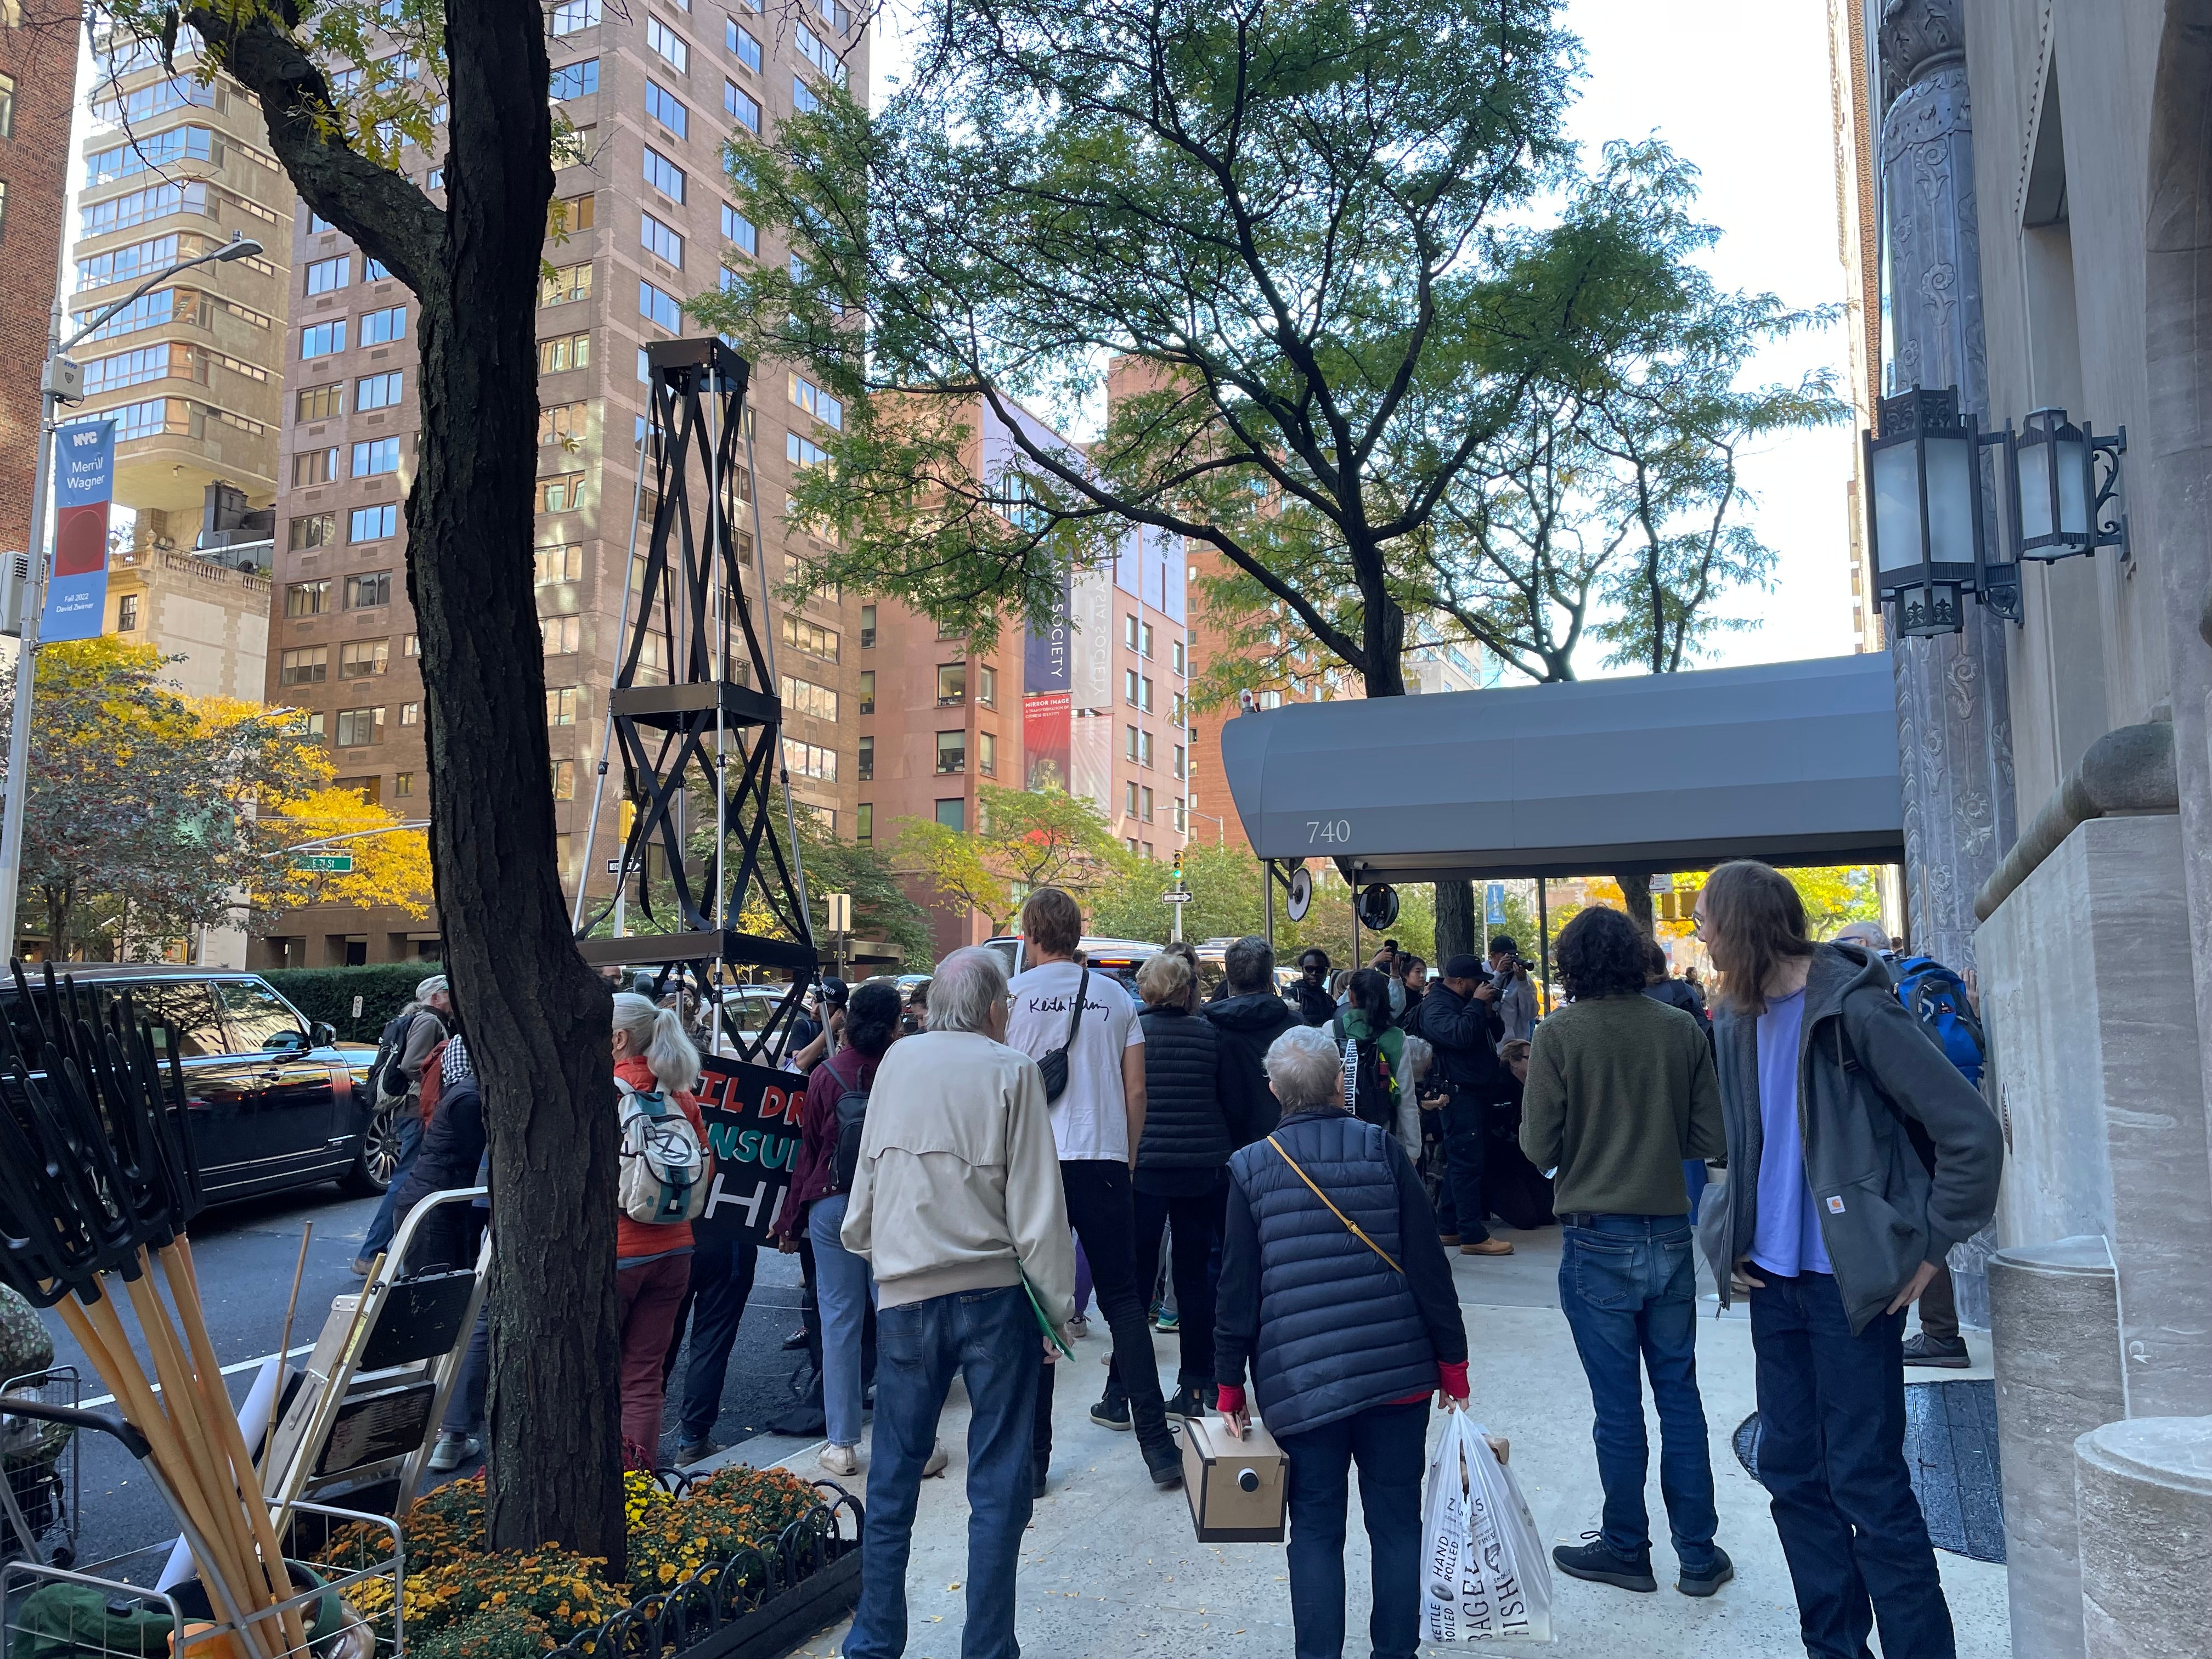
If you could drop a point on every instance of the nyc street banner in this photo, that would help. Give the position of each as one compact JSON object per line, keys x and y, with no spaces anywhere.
{"x":752,"y":1129}
{"x":84,"y":483}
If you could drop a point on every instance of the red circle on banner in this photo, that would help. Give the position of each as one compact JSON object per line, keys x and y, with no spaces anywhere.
{"x":81,"y":539}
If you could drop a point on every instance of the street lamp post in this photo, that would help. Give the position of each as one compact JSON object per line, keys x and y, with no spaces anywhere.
{"x":60,"y":381}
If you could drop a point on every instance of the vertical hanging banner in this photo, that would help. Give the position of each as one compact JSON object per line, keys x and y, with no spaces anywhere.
{"x":1045,"y":678}
{"x":84,"y":484}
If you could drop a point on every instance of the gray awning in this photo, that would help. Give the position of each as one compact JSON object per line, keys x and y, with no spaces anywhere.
{"x":1791,"y":763}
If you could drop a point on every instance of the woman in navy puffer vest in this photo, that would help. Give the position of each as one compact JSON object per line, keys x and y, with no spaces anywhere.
{"x":1347,"y":1337}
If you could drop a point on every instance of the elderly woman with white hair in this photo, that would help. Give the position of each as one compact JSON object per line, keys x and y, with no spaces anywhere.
{"x":1335,"y":1287}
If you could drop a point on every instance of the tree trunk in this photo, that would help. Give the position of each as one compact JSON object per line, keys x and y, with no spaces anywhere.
{"x":1457,"y":922}
{"x":536,"y":1020}
{"x":1635,"y":895}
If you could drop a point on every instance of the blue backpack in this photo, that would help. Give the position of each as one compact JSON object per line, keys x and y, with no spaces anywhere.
{"x":1936,"y":997}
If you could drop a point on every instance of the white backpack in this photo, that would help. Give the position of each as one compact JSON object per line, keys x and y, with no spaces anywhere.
{"x":663,"y":1164}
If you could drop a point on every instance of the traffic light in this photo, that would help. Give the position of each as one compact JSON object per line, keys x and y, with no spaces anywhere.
{"x":625,"y":816}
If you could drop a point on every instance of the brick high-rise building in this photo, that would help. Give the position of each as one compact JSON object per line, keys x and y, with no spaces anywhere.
{"x":648,"y":221}
{"x":37,"y":80}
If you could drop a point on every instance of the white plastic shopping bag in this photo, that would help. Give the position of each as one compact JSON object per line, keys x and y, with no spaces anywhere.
{"x":1485,"y":1572}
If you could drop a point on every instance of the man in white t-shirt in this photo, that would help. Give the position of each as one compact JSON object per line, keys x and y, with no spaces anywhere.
{"x":1097,"y":1121}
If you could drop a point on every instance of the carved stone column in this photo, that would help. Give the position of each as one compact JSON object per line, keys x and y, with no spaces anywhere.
{"x":1953,"y":718}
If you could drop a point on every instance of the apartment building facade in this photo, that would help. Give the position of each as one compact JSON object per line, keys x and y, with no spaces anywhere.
{"x":193,"y":375}
{"x":645,"y":221}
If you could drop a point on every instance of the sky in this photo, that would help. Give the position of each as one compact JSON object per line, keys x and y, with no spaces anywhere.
{"x":1739,"y":89}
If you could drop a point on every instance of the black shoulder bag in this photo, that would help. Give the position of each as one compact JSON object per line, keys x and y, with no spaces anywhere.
{"x":1054,"y":1063}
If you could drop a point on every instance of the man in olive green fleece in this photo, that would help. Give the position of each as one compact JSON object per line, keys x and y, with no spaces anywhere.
{"x":1621,"y":1090}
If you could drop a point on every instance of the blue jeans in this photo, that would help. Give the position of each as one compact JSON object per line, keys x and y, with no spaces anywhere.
{"x":384,"y":1222}
{"x":1462,"y":1205}
{"x":1629,"y":1289}
{"x":842,"y":1291}
{"x":1832,"y":1456}
{"x":990,"y":1338}
{"x":1390,"y":1443}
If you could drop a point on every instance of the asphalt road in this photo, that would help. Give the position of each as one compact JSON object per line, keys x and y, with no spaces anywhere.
{"x":246,"y":1253}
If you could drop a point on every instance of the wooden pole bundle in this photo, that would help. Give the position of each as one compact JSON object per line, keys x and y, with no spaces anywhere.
{"x":98,"y":1178}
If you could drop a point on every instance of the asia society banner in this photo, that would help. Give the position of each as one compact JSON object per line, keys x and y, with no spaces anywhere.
{"x":84,"y":483}
{"x":752,"y":1129}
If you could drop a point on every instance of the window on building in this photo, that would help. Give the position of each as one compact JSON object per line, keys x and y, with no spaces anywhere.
{"x":867,"y":758}
{"x":1271,"y":700}
{"x":310,"y":665}
{"x":403,"y":783}
{"x":357,"y":726}
{"x":863,"y":823}
{"x":126,"y":614}
{"x":372,"y":524}
{"x":1145,"y":804}
{"x":952,"y":685}
{"x":371,"y":790}
{"x":564,"y":780}
{"x":803,"y":634}
{"x":564,"y":423}
{"x":371,"y":588}
{"x":379,"y":391}
{"x":660,"y":306}
{"x":571,"y":215}
{"x":1181,"y":762}
{"x":574,"y":146}
{"x":574,"y":80}
{"x":383,"y":327}
{"x":319,"y":403}
{"x":307,"y":599}
{"x":868,"y":691}
{"x":411,"y":713}
{"x":313,"y":466}
{"x":1143,"y":639}
{"x":1182,"y":818}
{"x":328,"y":276}
{"x":952,"y":814}
{"x":376,"y":457}
{"x":1129,"y":632}
{"x":810,"y":760}
{"x":558,"y":564}
{"x":742,"y":107}
{"x":668,"y":44}
{"x":660,"y":241}
{"x":359,"y":658}
{"x":564,"y":352}
{"x":738,"y":232}
{"x":412,"y":647}
{"x":316,"y":530}
{"x":1144,"y":695}
{"x":564,"y":635}
{"x":951,"y":751}
{"x":574,"y":16}
{"x":1129,"y":687}
{"x":1180,"y":657}
{"x":987,"y":754}
{"x":815,"y":401}
{"x":986,"y":685}
{"x":561,"y":703}
{"x":323,"y":339}
{"x":666,"y":108}
{"x":867,"y":627}
{"x":803,"y":101}
{"x":566,"y":283}
{"x":8,"y":105}
{"x":741,"y":42}
{"x":1129,"y":806}
{"x":1129,"y":743}
{"x":1144,"y":749}
{"x":804,"y":452}
{"x":564,"y":494}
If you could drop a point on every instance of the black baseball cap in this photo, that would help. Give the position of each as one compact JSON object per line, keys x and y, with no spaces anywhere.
{"x":1464,"y":966}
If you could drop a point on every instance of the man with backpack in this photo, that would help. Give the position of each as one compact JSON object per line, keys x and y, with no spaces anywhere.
{"x":395,"y":1079}
{"x":1944,"y":1005}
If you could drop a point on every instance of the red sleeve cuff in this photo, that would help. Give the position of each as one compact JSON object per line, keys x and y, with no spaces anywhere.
{"x":1232,"y":1398}
{"x":1451,"y":1377}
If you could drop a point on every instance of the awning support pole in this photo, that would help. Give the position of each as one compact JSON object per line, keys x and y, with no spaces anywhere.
{"x":1543,"y":951}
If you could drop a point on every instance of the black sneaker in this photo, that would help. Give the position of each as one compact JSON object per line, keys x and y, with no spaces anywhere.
{"x":796,"y":1340}
{"x":1591,"y":1560}
{"x":1039,"y":1483}
{"x":1922,"y":1349}
{"x":1190,"y":1399}
{"x":1111,"y":1412}
{"x":1165,"y":1463}
{"x":1706,"y":1583}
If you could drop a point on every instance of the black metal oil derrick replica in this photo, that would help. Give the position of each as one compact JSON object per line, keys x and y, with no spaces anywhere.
{"x":714,"y":719}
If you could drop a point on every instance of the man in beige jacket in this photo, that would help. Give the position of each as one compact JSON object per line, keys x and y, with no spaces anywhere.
{"x":956,"y":1201}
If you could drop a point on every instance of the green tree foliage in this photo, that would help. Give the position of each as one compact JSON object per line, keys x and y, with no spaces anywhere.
{"x":881,"y":907}
{"x":1025,"y":839}
{"x":1320,"y":236}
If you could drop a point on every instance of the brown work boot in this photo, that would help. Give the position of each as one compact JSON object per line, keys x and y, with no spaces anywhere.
{"x":1487,"y":1247}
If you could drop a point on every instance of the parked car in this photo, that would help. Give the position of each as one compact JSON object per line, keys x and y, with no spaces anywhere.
{"x":1119,"y":958}
{"x":271,"y":1103}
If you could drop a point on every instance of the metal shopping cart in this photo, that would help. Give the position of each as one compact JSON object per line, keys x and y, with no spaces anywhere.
{"x":349,"y":1568}
{"x":38,"y":1482}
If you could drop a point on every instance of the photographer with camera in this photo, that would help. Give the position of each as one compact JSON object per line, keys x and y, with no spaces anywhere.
{"x":1517,"y":997}
{"x":1459,"y":1020}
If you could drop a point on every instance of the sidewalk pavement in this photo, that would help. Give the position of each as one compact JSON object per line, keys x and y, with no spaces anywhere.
{"x":1110,"y":1571}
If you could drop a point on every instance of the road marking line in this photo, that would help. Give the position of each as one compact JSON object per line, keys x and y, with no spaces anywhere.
{"x":227,"y":1370}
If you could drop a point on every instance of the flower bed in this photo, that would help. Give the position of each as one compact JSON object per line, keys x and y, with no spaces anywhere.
{"x":706,"y":1556}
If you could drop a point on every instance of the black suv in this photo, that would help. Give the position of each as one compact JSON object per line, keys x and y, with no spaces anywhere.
{"x":269,"y":1102}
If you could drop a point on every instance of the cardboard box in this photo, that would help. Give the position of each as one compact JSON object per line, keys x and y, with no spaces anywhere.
{"x":1237,"y":1488}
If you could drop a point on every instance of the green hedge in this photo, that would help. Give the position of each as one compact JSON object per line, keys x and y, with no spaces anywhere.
{"x":327,"y":994}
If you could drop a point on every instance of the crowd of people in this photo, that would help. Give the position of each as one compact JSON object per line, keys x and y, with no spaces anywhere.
{"x":1286,"y":1170}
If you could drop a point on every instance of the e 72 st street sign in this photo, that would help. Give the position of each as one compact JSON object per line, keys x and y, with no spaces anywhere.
{"x":337,"y":864}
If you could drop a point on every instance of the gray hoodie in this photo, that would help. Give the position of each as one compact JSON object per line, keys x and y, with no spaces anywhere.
{"x":1867,"y":1076}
